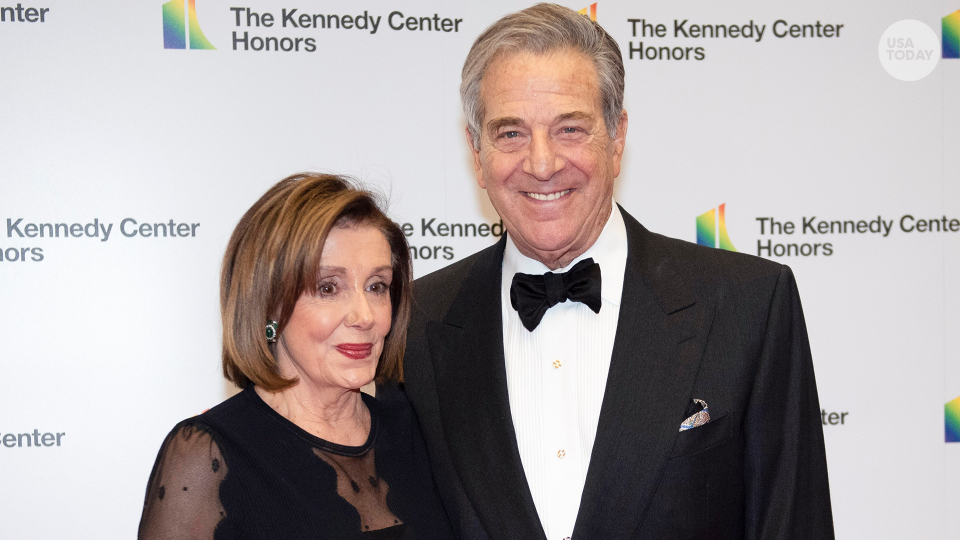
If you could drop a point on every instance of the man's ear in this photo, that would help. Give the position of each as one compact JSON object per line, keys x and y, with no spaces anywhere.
{"x":619,"y":141}
{"x":477,"y":166}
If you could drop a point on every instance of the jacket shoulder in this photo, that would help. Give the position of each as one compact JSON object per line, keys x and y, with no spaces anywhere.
{"x":434,"y":292}
{"x":658,"y":253}
{"x":704,"y":260}
{"x":675,"y":265}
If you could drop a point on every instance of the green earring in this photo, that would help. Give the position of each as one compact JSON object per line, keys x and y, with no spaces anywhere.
{"x":272,"y":332}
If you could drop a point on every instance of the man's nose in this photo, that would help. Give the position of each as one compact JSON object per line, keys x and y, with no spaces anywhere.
{"x":543,"y":160}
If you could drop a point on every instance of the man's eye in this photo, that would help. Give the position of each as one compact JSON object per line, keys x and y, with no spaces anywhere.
{"x":510,"y":134}
{"x":570,"y":130}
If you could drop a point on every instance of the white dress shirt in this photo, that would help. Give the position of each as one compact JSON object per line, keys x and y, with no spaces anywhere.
{"x":556,"y":376}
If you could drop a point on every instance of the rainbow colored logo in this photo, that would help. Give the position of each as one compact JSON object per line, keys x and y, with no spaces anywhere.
{"x":175,"y":35}
{"x":712,"y":229}
{"x":951,"y":35}
{"x":592,"y":12}
{"x":952,"y":420}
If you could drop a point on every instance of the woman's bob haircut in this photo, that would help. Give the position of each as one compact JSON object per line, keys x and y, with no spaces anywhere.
{"x":274,"y":257}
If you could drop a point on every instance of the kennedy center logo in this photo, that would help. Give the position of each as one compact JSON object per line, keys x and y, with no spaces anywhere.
{"x":592,"y":11}
{"x":951,"y":35}
{"x":952,"y":417}
{"x":180,"y":27}
{"x":712,"y":229}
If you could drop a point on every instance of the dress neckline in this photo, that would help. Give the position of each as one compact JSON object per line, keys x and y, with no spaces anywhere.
{"x":339,"y":449}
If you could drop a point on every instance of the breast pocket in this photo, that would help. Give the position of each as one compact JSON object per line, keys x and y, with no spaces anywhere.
{"x":700,"y":494}
{"x":703,"y":437}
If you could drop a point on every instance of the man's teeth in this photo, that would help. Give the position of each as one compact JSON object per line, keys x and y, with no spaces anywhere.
{"x":547,"y":196}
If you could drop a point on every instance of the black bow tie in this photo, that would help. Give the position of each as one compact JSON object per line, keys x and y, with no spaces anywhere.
{"x":533,"y":295}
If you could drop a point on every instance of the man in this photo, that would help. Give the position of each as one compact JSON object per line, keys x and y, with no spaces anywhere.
{"x":666,"y":393}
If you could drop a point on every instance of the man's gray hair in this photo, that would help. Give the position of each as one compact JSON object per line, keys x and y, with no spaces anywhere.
{"x":542,"y":29}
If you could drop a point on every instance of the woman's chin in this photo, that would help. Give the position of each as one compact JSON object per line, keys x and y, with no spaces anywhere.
{"x":358,"y":379}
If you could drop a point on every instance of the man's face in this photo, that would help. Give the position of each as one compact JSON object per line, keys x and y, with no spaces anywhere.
{"x":546,"y":158}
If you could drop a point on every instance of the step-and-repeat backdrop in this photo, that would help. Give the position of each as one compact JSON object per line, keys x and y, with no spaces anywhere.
{"x":133,"y":135}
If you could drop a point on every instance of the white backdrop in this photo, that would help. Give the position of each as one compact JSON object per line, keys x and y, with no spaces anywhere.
{"x":110,"y":340}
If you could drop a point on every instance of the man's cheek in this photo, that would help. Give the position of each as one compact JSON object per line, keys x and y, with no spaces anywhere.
{"x":500,"y":174}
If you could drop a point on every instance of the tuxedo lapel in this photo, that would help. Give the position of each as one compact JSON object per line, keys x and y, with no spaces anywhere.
{"x":656,"y":355}
{"x":467,"y":351}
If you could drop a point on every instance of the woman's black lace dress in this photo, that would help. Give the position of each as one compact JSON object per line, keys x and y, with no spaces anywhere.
{"x":241,"y":470}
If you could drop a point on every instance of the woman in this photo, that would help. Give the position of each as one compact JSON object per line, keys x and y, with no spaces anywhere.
{"x":315,"y":300}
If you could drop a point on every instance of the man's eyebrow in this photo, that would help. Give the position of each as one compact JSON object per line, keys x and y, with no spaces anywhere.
{"x":575,"y":115}
{"x":494,"y":125}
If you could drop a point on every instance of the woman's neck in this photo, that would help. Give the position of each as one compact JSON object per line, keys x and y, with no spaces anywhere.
{"x":336,"y":415}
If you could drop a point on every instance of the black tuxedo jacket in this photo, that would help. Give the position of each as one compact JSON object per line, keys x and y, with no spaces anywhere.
{"x":694,"y":322}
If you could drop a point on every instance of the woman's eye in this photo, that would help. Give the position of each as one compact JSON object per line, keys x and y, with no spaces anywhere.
{"x":379,"y":288}
{"x":327,"y":289}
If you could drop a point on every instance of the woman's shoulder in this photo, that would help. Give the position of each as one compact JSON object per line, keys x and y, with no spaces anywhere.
{"x":228,"y":416}
{"x":194,"y":435}
{"x":185,"y":481}
{"x":234,"y":404}
{"x":191,"y":438}
{"x":192,"y":441}
{"x":190,"y":466}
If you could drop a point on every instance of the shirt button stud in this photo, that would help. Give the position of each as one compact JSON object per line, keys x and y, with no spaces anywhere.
{"x":561,"y":454}
{"x":557,"y":364}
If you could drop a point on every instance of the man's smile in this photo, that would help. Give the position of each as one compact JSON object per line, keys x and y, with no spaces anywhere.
{"x":546,"y":196}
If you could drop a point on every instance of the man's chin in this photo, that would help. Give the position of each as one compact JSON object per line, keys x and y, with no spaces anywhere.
{"x":550,"y":246}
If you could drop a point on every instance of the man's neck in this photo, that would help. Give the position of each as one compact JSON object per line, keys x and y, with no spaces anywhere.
{"x":562,"y":257}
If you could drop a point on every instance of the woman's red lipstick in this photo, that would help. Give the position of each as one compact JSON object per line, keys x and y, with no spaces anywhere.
{"x":357,"y":351}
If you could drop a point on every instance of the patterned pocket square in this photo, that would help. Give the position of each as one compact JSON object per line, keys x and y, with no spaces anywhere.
{"x":697,"y":419}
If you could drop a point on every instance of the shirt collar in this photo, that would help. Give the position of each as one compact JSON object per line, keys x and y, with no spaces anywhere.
{"x":609,"y":251}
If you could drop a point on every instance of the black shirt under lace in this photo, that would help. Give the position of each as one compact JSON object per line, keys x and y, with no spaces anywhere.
{"x":241,"y":470}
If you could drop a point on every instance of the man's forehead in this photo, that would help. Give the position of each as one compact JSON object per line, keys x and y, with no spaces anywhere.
{"x":554,"y":59}
{"x":516,"y":83}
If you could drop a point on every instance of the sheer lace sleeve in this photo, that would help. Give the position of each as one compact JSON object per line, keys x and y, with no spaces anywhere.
{"x":183,"y":494}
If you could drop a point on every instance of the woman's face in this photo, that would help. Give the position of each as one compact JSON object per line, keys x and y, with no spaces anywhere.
{"x":334,"y":337}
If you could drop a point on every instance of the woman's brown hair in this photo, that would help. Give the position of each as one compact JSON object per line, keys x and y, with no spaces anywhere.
{"x":273,"y":257}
